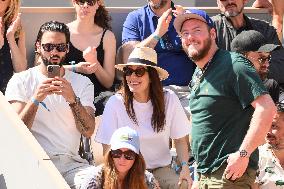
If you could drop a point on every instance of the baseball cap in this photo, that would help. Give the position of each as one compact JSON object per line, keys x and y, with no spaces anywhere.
{"x":192,"y":14}
{"x":125,"y":137}
{"x":251,"y":40}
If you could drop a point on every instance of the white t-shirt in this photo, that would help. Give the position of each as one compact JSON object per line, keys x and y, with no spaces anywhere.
{"x":270,"y":173}
{"x":153,"y":146}
{"x":55,"y":130}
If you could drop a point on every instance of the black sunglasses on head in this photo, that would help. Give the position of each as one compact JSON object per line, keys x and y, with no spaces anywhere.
{"x":89,"y":2}
{"x":128,"y":155}
{"x":139,"y":72}
{"x":61,"y":47}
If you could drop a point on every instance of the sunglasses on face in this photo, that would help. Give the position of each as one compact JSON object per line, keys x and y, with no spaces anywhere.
{"x":261,"y":60}
{"x":89,"y":2}
{"x":139,"y":72}
{"x":61,"y":47}
{"x":128,"y":155}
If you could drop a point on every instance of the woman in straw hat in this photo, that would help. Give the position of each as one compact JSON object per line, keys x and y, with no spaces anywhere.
{"x":93,"y":46}
{"x":157,"y":116}
{"x":124,"y":166}
{"x":12,"y":42}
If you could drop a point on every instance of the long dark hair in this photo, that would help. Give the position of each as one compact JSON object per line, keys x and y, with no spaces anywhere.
{"x":135,"y":177}
{"x":102,"y":17}
{"x":157,"y":98}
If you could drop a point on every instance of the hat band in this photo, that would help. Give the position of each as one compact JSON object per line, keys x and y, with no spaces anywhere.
{"x":142,"y":61}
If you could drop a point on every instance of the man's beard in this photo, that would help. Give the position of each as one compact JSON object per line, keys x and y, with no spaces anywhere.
{"x":47,"y":61}
{"x":263,"y":74}
{"x":233,"y":13}
{"x":159,"y":5}
{"x":198,"y":55}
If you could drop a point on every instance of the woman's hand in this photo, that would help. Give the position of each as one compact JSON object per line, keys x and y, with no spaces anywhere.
{"x":13,"y":27}
{"x":90,"y":54}
{"x":86,"y":67}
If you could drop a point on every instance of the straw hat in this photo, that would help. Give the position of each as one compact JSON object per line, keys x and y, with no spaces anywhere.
{"x":144,"y":56}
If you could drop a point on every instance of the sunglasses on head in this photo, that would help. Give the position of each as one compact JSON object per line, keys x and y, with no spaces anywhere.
{"x":139,"y":72}
{"x":128,"y":155}
{"x":89,"y":2}
{"x":61,"y":47}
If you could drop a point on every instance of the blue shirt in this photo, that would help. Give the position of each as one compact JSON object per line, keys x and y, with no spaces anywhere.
{"x":140,"y":24}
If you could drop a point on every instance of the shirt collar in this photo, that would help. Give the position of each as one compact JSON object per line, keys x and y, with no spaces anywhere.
{"x":247,"y":26}
{"x":150,"y":12}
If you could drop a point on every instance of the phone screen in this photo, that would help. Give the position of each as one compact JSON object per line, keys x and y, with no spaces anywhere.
{"x":53,"y":71}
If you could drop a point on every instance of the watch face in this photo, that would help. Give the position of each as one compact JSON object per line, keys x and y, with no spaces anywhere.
{"x":77,"y":99}
{"x":243,"y":153}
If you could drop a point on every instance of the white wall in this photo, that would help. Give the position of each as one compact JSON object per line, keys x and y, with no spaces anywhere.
{"x":23,"y":163}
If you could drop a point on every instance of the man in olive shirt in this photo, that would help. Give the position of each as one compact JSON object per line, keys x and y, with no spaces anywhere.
{"x":231,"y":109}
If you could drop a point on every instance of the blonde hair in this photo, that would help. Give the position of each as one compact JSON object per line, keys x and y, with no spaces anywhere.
{"x":10,"y":13}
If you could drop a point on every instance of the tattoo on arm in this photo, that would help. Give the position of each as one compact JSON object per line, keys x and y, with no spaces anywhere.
{"x":79,"y":120}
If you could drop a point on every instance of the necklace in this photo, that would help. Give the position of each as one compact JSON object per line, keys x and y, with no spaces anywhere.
{"x":195,"y":82}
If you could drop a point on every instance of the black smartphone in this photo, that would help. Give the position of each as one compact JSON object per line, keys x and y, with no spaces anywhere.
{"x":53,"y":71}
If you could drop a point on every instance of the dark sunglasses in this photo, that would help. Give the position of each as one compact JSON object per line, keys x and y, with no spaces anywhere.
{"x":280,"y":107}
{"x":89,"y":2}
{"x":139,"y":72}
{"x":48,"y":47}
{"x":128,"y":155}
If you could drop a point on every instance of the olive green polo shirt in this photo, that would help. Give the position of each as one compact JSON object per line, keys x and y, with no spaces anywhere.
{"x":221,"y":110}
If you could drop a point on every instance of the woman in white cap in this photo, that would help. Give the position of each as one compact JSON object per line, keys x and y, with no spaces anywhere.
{"x":156,"y":114}
{"x":124,"y":166}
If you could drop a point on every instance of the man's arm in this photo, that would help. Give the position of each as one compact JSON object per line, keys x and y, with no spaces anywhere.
{"x":162,"y":28}
{"x":84,"y":116}
{"x":84,"y":119}
{"x":27,"y":111}
{"x":259,"y":126}
{"x":260,"y":123}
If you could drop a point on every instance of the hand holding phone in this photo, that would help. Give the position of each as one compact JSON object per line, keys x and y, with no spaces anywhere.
{"x":53,"y":71}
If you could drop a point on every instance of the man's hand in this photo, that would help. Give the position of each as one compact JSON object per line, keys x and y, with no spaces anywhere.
{"x":185,"y":175}
{"x":44,"y":89}
{"x":90,"y":54}
{"x":1,"y":33}
{"x":236,"y":166}
{"x":14,"y":27}
{"x":263,"y":4}
{"x":86,"y":67}
{"x":64,"y":88}
{"x":163,"y":23}
{"x":179,"y":10}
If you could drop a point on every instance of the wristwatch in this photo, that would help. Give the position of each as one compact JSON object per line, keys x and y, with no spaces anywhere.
{"x":243,"y":153}
{"x":77,"y":101}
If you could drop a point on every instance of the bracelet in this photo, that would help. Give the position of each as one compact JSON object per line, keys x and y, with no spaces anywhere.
{"x":156,"y":37}
{"x":183,"y":163}
{"x":36,"y":102}
{"x":73,"y":67}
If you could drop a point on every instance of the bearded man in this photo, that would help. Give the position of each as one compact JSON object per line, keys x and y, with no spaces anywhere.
{"x":231,"y":109}
{"x":271,"y":161}
{"x":56,"y":110}
{"x":232,"y":21}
